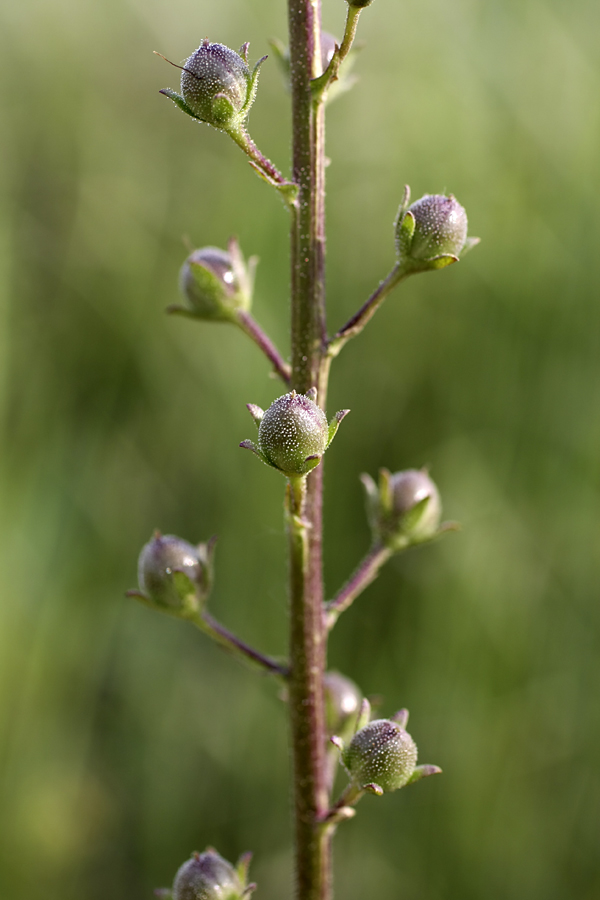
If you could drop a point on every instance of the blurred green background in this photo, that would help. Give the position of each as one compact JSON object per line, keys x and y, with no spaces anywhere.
{"x":126,"y":739}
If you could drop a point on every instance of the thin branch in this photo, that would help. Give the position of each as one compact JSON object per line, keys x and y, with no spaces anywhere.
{"x":358,"y":321}
{"x":320,"y":85}
{"x":264,"y":167}
{"x":364,"y":575}
{"x":250,"y":327}
{"x":229,"y":641}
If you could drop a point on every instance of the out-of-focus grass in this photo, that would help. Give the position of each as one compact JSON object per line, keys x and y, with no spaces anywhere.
{"x":125,"y":740}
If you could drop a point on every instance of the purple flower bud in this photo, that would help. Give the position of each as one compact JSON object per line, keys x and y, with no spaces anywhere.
{"x":409,"y":488}
{"x":216,"y":84}
{"x":207,"y":876}
{"x":382,"y":753}
{"x":215,"y":284}
{"x":440,"y":227}
{"x":342,"y":702}
{"x":174,"y":575}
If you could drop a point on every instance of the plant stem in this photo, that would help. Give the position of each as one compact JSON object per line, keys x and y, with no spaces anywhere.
{"x":229,"y":641}
{"x":251,"y":327}
{"x":358,"y":321}
{"x":309,"y":369}
{"x":364,"y":575}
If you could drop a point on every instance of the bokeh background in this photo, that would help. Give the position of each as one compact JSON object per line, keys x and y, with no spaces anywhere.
{"x":126,"y":739}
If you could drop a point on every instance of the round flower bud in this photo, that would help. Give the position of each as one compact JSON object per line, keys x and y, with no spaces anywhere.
{"x":440,"y":226}
{"x":207,"y":876}
{"x":342,"y":702}
{"x":381,"y":753}
{"x":293,"y":434}
{"x":408,"y":489}
{"x":216,"y":84}
{"x":166,"y":567}
{"x":328,"y":45}
{"x":213,"y":285}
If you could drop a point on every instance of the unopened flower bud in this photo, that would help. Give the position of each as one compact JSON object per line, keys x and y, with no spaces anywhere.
{"x":207,"y":876}
{"x":216,"y":283}
{"x":342,"y":702}
{"x":328,"y":44}
{"x":173,"y":575}
{"x":217,"y":87}
{"x":382,"y":754}
{"x":431,"y":233}
{"x":293,"y":434}
{"x":405,"y":509}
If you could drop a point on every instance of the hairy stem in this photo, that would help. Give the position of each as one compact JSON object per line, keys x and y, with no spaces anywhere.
{"x":307,"y":631}
{"x":251,"y":327}
{"x":364,"y":575}
{"x":358,"y":321}
{"x":229,"y":641}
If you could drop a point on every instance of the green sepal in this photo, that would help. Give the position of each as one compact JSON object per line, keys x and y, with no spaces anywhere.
{"x":282,"y":56}
{"x":423,"y":772}
{"x":223,"y":113}
{"x":385,"y":492}
{"x":404,"y":233}
{"x":256,"y":412}
{"x":372,"y":502}
{"x":469,"y":244}
{"x":250,"y":445}
{"x":252,"y":88}
{"x":313,"y":461}
{"x":373,"y":788}
{"x":364,"y":715}
{"x":180,"y":102}
{"x":401,"y":717}
{"x":335,"y":424}
{"x":210,"y":286}
{"x":441,"y":261}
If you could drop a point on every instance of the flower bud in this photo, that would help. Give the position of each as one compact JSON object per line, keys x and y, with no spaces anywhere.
{"x":359,"y":4}
{"x":173,"y":575}
{"x":381,"y":754}
{"x":207,"y":876}
{"x":405,"y":509}
{"x":342,"y":702}
{"x":215,"y":284}
{"x":217,"y":87}
{"x":431,"y":233}
{"x":293,"y":434}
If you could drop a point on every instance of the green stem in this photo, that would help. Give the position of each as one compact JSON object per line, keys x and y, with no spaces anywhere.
{"x":330,"y":75}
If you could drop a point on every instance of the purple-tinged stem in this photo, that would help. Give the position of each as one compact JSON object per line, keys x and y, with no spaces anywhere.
{"x":234,"y":644}
{"x":364,"y":575}
{"x":251,"y":327}
{"x":358,"y":321}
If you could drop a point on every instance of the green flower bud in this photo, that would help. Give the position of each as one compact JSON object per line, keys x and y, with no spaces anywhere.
{"x":342,"y":702}
{"x":207,"y":876}
{"x":173,"y":575}
{"x":381,"y":754}
{"x":217,"y":87}
{"x":431,"y":233}
{"x":359,"y":4}
{"x":405,"y":509}
{"x":293,"y":434}
{"x":216,"y":283}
